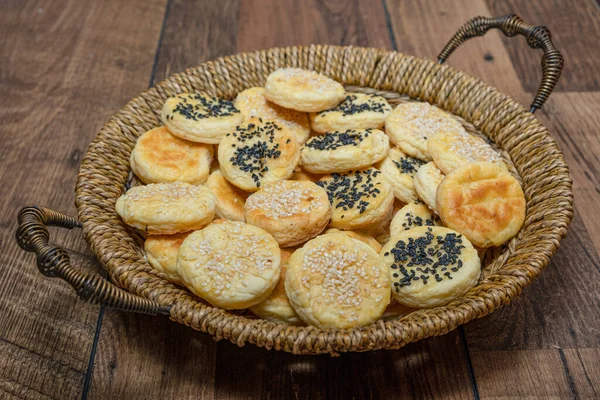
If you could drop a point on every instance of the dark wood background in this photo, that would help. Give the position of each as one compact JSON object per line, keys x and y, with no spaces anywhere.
{"x":67,"y":65}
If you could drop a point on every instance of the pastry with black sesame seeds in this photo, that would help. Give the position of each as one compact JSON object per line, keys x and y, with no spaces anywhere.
{"x":356,"y":111}
{"x":412,"y":215}
{"x":161,"y":254}
{"x":363,"y":237}
{"x":200,"y":118}
{"x":230,"y":199}
{"x":426,"y":182}
{"x":399,"y":170}
{"x":430,"y":266}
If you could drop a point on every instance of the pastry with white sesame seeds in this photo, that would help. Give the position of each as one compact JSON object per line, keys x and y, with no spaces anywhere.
{"x":292,"y":211}
{"x":230,"y":264}
{"x":230,"y":199}
{"x":252,"y":103}
{"x":412,"y":215}
{"x":303,"y":90}
{"x":335,"y":281}
{"x":200,"y":118}
{"x":161,"y":253}
{"x":258,"y":152}
{"x":276,"y":307}
{"x":167,"y":208}
{"x":344,"y":151}
{"x":363,"y":237}
{"x":160,"y":157}
{"x":356,"y":111}
{"x":430,"y":266}
{"x":426,"y":182}
{"x":482,"y":201}
{"x":399,"y":170}
{"x":410,"y":125}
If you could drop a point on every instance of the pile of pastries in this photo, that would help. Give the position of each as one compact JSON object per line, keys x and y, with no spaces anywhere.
{"x":307,"y":204}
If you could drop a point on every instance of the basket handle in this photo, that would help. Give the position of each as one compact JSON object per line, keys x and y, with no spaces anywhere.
{"x":53,"y":261}
{"x":537,"y":37}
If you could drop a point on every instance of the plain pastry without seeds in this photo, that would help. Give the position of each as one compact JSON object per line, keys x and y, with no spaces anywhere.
{"x":344,"y":151}
{"x":430,"y":266}
{"x":161,"y":253}
{"x":412,"y":215}
{"x":230,"y":199}
{"x":200,"y":118}
{"x":292,"y":211}
{"x":426,"y":182}
{"x":230,"y":264}
{"x":303,"y":90}
{"x":335,"y":281}
{"x":399,"y":170}
{"x":356,"y":111}
{"x":363,"y":237}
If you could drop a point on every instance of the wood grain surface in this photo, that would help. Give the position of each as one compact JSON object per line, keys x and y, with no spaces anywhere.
{"x":67,"y":65}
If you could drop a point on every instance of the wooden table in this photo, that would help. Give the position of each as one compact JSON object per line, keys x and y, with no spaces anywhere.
{"x":67,"y":65}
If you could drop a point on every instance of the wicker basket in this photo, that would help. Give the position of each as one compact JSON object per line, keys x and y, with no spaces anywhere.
{"x":137,"y":287}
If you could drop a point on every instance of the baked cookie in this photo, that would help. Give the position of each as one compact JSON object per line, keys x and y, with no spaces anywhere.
{"x":252,"y":103}
{"x":300,"y":175}
{"x":257,"y":153}
{"x":335,"y":281}
{"x":200,"y":118}
{"x":482,"y":201}
{"x":230,"y":264}
{"x":426,"y":181}
{"x":230,"y":199}
{"x":161,"y":253}
{"x":357,"y":111}
{"x":430,"y":266}
{"x":412,"y":215}
{"x":360,"y":199}
{"x":276,"y":307}
{"x":410,"y":125}
{"x":167,"y":208}
{"x":292,"y":211}
{"x":399,"y":170}
{"x":303,"y":90}
{"x":370,"y":240}
{"x":160,"y":157}
{"x":344,"y":151}
{"x":451,"y":149}
{"x":396,"y":310}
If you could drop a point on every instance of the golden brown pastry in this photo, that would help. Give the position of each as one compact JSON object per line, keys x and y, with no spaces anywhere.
{"x":161,"y":253}
{"x":399,"y":170}
{"x":412,"y":215}
{"x":363,"y":237}
{"x":230,"y":199}
{"x":426,"y":182}
{"x":357,"y":111}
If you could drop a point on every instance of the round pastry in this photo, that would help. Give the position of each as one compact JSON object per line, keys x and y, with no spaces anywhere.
{"x":300,"y":175}
{"x":357,"y":111}
{"x":276,"y":307}
{"x":426,"y":181}
{"x":430,"y":266}
{"x":303,"y":90}
{"x":335,"y":281}
{"x":396,"y":310}
{"x":360,"y":199}
{"x":399,"y":170}
{"x":292,"y":211}
{"x":412,"y":215}
{"x":230,"y":264}
{"x":384,"y":236}
{"x":482,"y":201}
{"x":167,"y":208}
{"x":253,"y":103}
{"x":258,"y":153}
{"x":370,"y":240}
{"x":341,"y":152}
{"x":161,"y":253}
{"x":200,"y":118}
{"x":451,"y":149}
{"x":411,"y":124}
{"x":230,"y":199}
{"x":159,"y":157}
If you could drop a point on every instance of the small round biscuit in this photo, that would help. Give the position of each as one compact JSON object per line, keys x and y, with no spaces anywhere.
{"x":303,"y":90}
{"x":341,"y":152}
{"x":356,"y":111}
{"x":200,"y":118}
{"x":399,"y":170}
{"x":160,"y":157}
{"x":252,"y":103}
{"x":370,"y":240}
{"x":412,"y":215}
{"x":430,"y":266}
{"x":335,"y":281}
{"x":230,"y":199}
{"x":258,"y":153}
{"x":426,"y":182}
{"x":276,"y":307}
{"x":360,"y":199}
{"x":482,"y":201}
{"x":292,"y":211}
{"x":411,"y":124}
{"x":167,"y":208}
{"x":230,"y":264}
{"x":300,"y":175}
{"x":451,"y":149}
{"x":161,"y":253}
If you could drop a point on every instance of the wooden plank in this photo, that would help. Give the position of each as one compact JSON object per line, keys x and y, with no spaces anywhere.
{"x":65,"y":67}
{"x":584,"y":368}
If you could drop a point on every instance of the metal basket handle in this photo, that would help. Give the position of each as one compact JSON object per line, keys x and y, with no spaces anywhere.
{"x":537,"y":37}
{"x":32,"y":235}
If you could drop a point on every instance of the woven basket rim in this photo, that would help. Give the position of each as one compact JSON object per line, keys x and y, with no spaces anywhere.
{"x":494,"y":113}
